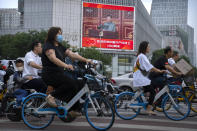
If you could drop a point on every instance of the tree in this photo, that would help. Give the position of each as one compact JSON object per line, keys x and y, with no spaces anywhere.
{"x":93,"y":53}
{"x":17,"y":45}
{"x":156,"y":55}
{"x":185,"y":58}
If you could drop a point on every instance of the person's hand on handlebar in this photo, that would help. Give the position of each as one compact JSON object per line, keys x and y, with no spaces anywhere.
{"x":163,"y":71}
{"x":70,"y":67}
{"x":88,"y":61}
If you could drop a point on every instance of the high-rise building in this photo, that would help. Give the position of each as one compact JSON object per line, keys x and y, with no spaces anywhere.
{"x":9,"y":18}
{"x":173,"y":13}
{"x":169,"y":12}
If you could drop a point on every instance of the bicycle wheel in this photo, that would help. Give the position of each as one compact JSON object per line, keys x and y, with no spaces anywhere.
{"x":191,"y":95}
{"x":98,"y":109}
{"x":123,"y":108}
{"x":159,"y":108}
{"x":29,"y":112}
{"x":179,"y":110}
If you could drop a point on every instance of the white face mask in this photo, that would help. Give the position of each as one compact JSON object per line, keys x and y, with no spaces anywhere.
{"x":20,"y":68}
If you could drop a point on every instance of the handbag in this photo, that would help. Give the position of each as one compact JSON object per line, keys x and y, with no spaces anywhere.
{"x":144,"y":72}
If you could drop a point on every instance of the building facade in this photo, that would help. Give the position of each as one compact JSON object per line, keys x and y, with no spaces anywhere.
{"x":168,"y":13}
{"x":9,"y":20}
{"x":67,"y":14}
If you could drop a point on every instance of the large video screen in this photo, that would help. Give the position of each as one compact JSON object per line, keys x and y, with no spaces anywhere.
{"x":107,"y":26}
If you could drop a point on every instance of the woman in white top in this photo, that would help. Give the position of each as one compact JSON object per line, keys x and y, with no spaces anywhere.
{"x":142,"y":67}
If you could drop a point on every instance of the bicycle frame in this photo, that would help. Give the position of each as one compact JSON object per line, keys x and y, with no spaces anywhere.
{"x":52,"y":110}
{"x":139,"y":93}
{"x":83,"y":91}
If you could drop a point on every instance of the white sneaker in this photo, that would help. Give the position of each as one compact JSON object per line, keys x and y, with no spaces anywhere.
{"x":51,"y":101}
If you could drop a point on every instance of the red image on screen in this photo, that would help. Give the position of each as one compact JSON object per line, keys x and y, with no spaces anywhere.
{"x":107,"y":26}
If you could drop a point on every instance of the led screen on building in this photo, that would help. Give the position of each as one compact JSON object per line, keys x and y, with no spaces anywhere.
{"x":107,"y":26}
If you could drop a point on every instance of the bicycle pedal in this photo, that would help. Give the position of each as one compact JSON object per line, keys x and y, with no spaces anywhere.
{"x":61,"y":112}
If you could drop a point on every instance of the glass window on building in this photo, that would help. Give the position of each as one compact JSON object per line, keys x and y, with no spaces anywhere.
{"x":125,"y":64}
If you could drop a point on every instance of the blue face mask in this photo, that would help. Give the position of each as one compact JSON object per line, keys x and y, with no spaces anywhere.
{"x":59,"y":38}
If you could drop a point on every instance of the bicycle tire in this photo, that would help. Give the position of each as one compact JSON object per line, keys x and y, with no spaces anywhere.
{"x":121,"y":111}
{"x":106,"y":111}
{"x":181,"y":112}
{"x":191,"y":95}
{"x":34,"y":100}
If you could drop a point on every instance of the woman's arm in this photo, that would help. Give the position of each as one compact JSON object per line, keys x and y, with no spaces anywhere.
{"x":157,"y":70}
{"x":52,"y":57}
{"x":168,"y":67}
{"x":75,"y":56}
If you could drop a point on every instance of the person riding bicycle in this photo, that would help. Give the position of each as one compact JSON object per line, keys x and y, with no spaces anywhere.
{"x":32,"y":65}
{"x":172,"y":61}
{"x":53,"y":58}
{"x":19,"y":93}
{"x":158,"y":80}
{"x":142,"y":68}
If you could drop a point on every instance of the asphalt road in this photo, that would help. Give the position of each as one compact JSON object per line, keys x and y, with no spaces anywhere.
{"x":141,"y":123}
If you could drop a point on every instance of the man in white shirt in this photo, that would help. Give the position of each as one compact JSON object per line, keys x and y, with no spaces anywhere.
{"x":172,"y":61}
{"x":32,"y":64}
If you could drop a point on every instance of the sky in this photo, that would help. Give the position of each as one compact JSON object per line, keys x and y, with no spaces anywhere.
{"x":192,"y":17}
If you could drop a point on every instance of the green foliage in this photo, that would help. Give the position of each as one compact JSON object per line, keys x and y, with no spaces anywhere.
{"x":156,"y":55}
{"x":93,"y":53}
{"x":65,"y":43}
{"x":13,"y":46}
{"x":185,"y":58}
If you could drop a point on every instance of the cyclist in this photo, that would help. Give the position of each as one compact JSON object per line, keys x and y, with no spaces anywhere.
{"x":53,"y":57}
{"x":172,"y":61}
{"x":142,"y":67}
{"x":19,"y":93}
{"x":162,"y":64}
{"x":32,"y":65}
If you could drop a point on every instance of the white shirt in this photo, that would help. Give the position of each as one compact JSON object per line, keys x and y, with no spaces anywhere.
{"x":139,"y":79}
{"x":29,"y":70}
{"x":171,"y":62}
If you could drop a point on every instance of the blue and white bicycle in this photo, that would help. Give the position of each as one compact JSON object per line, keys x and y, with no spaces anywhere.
{"x":175,"y":106}
{"x":36,"y":114}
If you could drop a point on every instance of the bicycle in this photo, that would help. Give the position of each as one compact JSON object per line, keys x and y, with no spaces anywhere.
{"x":7,"y":98}
{"x":189,"y":91}
{"x":133,"y":102}
{"x":96,"y":106}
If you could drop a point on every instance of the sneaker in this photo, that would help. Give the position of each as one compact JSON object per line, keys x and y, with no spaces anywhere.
{"x":74,"y":114}
{"x":151,"y":113}
{"x":51,"y":101}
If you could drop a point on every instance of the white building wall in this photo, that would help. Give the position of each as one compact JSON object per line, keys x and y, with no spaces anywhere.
{"x":67,"y":15}
{"x":37,"y":14}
